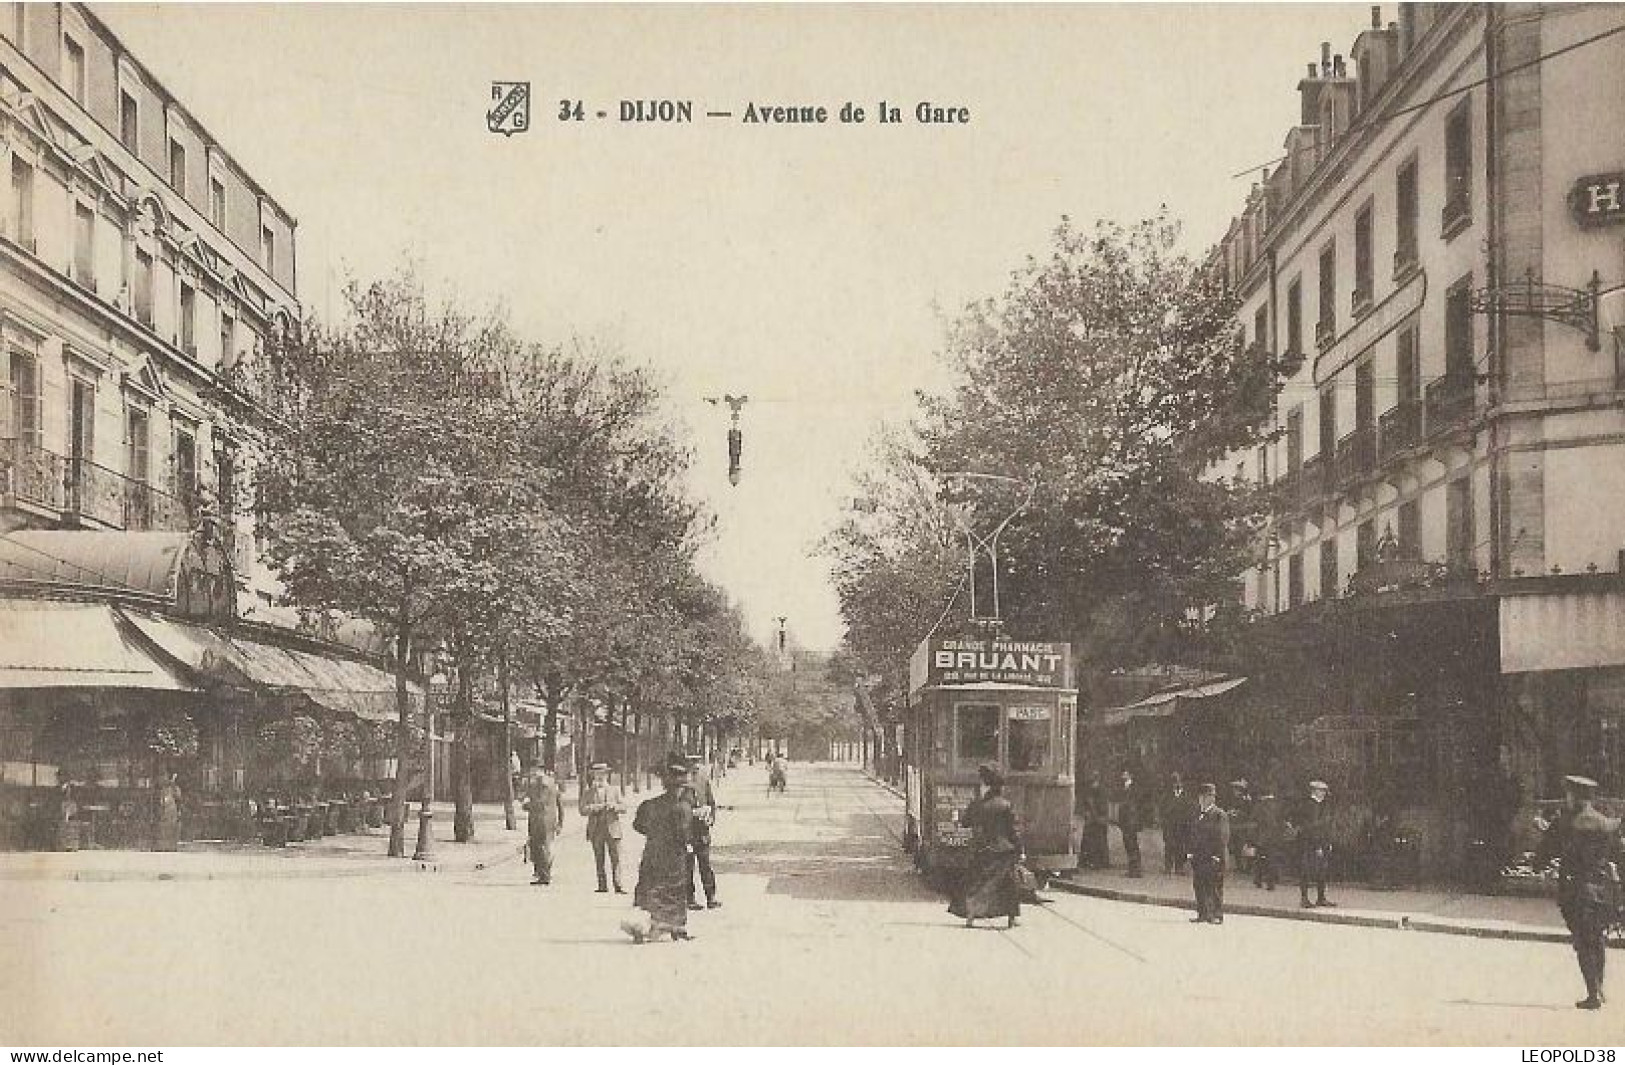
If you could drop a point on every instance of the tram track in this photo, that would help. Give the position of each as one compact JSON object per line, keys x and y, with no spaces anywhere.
{"x":1046,"y":908}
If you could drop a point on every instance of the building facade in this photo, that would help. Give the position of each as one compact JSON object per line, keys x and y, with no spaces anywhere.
{"x":1437,"y":262}
{"x":145,"y":280}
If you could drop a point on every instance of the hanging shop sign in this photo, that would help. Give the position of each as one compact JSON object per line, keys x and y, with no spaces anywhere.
{"x":1598,"y":200}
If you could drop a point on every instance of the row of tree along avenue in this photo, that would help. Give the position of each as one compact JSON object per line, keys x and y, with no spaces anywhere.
{"x":1108,"y":377}
{"x":512,"y":514}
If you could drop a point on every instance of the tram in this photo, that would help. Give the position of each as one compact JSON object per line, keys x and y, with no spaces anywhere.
{"x":987,"y":698}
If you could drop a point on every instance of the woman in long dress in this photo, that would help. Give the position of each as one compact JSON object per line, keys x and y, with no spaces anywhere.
{"x":663,"y":877}
{"x":988,"y":887}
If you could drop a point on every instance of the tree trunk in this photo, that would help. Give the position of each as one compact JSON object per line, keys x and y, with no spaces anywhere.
{"x":626,"y":744}
{"x":462,"y":823}
{"x":507,"y":743}
{"x":403,"y":741}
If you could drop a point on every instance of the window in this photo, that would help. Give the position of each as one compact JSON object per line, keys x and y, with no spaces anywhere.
{"x":268,"y":249}
{"x":73,"y":69}
{"x":82,"y":421}
{"x":1458,"y":330}
{"x":976,"y":733}
{"x":1263,"y":465}
{"x":186,"y":468}
{"x":137,"y":463}
{"x":1458,"y":168}
{"x":1294,"y":440}
{"x":1410,"y":530}
{"x":1294,"y":579}
{"x":1362,"y":258}
{"x":228,"y":340}
{"x":84,"y":244}
{"x":129,"y":122}
{"x":217,"y":203}
{"x":143,"y":287}
{"x":188,"y":319}
{"x":1408,"y":371}
{"x":1458,"y":518}
{"x":177,"y":167}
{"x":1326,"y":324}
{"x":1261,"y":328}
{"x":25,"y":396}
{"x":1365,"y":544}
{"x":1294,"y":317}
{"x":1328,"y":568}
{"x":1365,"y":396}
{"x":1029,"y":738}
{"x":1406,"y":214}
{"x":22,"y":202}
{"x":225,"y":466}
{"x":1328,"y":421}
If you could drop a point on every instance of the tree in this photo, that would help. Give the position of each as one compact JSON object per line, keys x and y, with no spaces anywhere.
{"x":1110,"y":376}
{"x":372,"y":488}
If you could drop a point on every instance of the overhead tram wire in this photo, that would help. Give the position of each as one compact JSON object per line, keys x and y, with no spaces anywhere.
{"x":1379,"y":117}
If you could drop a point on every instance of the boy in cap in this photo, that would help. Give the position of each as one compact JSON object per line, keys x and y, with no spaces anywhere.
{"x":1587,"y":888}
{"x":1210,"y":843}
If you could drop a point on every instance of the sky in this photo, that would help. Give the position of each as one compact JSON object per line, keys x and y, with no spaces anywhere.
{"x":812,"y":268}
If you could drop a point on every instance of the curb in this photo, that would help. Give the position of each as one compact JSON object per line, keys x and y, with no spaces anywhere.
{"x":1398,"y":922}
{"x":891,"y":788}
{"x":365,"y":867}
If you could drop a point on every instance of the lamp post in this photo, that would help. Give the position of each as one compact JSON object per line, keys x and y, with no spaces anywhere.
{"x":425,"y":848}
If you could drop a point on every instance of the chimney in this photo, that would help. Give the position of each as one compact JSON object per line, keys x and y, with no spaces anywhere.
{"x":1376,"y":16}
{"x":1309,"y":89}
{"x":1325,"y":59}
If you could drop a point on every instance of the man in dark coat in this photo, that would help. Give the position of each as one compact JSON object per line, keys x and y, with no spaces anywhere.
{"x":1210,"y":847}
{"x":1313,"y":824}
{"x":1588,"y":885}
{"x":1176,"y":812}
{"x":1269,"y":832}
{"x":1130,"y":820}
{"x":704,"y":802}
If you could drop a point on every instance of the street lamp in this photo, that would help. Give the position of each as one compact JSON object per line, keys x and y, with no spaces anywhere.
{"x":425,"y":848}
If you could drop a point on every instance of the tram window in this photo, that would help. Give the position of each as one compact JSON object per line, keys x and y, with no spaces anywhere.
{"x":976,"y":733}
{"x":1029,"y":739}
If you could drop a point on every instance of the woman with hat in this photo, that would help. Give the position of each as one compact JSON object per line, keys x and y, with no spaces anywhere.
{"x":988,"y":887}
{"x":663,"y":878}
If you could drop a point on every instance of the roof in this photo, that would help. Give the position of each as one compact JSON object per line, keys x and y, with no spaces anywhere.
{"x":145,"y":564}
{"x":1164,"y":703}
{"x":46,"y":644}
{"x":233,"y":660}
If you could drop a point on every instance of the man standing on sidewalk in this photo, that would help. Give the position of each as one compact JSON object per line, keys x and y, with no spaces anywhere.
{"x":544,"y":807}
{"x":1128,"y":821}
{"x":1210,"y":846}
{"x":1269,"y":828}
{"x":1176,"y":814}
{"x":601,"y":806}
{"x":704,"y":802}
{"x":1588,"y":888}
{"x":1314,"y":827}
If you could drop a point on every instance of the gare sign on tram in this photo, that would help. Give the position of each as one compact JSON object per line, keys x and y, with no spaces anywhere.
{"x":991,"y":660}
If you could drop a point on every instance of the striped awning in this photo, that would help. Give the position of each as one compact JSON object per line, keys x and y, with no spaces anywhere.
{"x":51,"y":644}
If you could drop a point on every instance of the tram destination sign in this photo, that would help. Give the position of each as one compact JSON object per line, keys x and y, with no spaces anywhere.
{"x":991,"y":660}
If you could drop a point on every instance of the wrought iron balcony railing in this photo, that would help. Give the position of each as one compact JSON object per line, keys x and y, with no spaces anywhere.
{"x":1448,"y":403}
{"x":30,"y":474}
{"x":1399,"y":429}
{"x":1356,"y":456}
{"x":83,"y":492}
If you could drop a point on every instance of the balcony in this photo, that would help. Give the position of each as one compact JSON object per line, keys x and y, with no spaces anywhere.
{"x":1405,"y":260}
{"x":1355,"y":458}
{"x":1448,"y":403}
{"x":1398,"y":429}
{"x":1288,"y":490}
{"x":1457,"y":214}
{"x":1316,"y":472}
{"x":31,"y":475}
{"x":1360,"y":305}
{"x":1325,"y":333}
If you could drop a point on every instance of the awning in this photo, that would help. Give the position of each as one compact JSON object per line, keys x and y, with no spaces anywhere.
{"x":340,"y":684}
{"x":1565,"y":630}
{"x":1164,"y":703}
{"x":48,"y":644}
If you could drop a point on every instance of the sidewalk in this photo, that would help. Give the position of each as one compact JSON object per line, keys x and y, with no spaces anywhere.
{"x":1423,"y":909}
{"x":350,"y":854}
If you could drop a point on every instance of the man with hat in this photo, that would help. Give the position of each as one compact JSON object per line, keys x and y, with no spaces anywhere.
{"x":1210,"y":845}
{"x":1588,"y":885}
{"x":1313,"y":824}
{"x":1129,"y":820}
{"x":601,"y":806}
{"x":704,"y":802}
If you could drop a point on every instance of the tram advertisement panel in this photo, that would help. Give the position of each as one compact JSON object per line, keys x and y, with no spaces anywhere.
{"x":944,"y":660}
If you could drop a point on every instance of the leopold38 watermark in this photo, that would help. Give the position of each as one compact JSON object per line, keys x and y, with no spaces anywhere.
{"x":1557,"y":1056}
